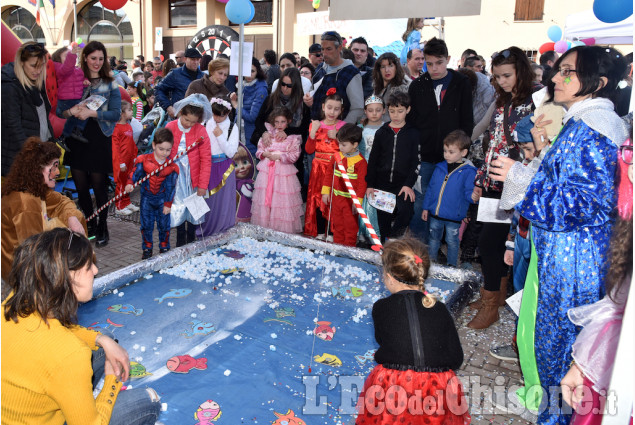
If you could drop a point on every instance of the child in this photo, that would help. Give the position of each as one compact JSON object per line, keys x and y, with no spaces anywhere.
{"x":277,"y":202}
{"x":195,"y":167}
{"x":71,"y":83}
{"x":244,"y":163}
{"x":411,"y":38}
{"x":334,"y":192}
{"x":135,"y":90}
{"x":419,"y":348}
{"x":392,"y":166}
{"x":222,"y":180}
{"x":374,"y":109}
{"x":124,"y":152}
{"x":449,"y":195}
{"x":322,"y":141}
{"x":157,"y":192}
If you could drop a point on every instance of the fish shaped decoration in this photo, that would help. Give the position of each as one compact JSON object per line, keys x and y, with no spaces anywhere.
{"x":200,"y":328}
{"x":324,"y":331}
{"x":368,"y":356}
{"x":185,"y":363}
{"x":347,"y":291}
{"x":137,"y":370}
{"x":207,"y":412}
{"x":174,"y":293}
{"x":126,"y":309}
{"x":328,"y":359}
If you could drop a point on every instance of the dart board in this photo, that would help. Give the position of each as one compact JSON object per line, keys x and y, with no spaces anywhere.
{"x":214,"y":40}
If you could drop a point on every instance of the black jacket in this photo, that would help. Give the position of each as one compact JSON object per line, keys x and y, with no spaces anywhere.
{"x":435,"y":123}
{"x":19,"y":116}
{"x":393,"y":160}
{"x":263,"y":116}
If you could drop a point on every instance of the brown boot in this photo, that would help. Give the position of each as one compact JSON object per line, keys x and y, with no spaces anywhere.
{"x":488,"y":313}
{"x":475,"y":305}
{"x":503,"y":291}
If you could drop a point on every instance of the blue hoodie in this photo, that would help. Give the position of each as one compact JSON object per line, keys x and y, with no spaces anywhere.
{"x":449,"y":195}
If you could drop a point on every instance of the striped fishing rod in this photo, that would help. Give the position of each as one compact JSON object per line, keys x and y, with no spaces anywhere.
{"x":158,"y":170}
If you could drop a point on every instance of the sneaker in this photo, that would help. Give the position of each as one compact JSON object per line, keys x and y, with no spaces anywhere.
{"x":509,"y":403}
{"x":163,"y":250}
{"x":123,"y":211}
{"x":133,"y":208}
{"x":146,"y":254}
{"x":504,"y":352}
{"x":320,"y":237}
{"x":329,"y":238}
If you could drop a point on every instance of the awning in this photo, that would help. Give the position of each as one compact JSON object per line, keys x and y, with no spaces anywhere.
{"x":382,"y":9}
{"x":586,"y":25}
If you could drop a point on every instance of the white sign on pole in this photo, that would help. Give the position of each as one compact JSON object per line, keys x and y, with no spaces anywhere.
{"x":158,"y":42}
{"x":248,"y":53}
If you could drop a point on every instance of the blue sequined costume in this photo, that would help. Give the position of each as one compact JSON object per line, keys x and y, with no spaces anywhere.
{"x":569,"y":203}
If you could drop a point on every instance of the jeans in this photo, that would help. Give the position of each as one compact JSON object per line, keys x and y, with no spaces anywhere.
{"x":133,"y":406}
{"x":72,"y":122}
{"x":451,"y":238}
{"x":418,"y":227}
{"x":522,"y":253}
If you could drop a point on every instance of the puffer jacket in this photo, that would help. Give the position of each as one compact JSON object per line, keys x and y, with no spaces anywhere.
{"x":19,"y":116}
{"x":70,"y":79}
{"x":254,"y":96}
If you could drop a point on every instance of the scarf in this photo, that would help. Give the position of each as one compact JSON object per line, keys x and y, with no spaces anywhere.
{"x":599,"y":114}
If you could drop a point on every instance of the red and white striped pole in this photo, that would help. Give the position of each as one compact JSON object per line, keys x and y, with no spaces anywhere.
{"x":165,"y":164}
{"x":377,"y":243}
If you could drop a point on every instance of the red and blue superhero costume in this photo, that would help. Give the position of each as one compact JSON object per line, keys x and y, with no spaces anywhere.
{"x":156,"y":192}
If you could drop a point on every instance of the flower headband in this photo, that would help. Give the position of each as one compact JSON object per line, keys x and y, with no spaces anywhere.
{"x":331,"y":91}
{"x":221,"y":102}
{"x":374,"y":99}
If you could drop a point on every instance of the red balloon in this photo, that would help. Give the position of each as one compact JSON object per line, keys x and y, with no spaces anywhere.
{"x":113,"y":4}
{"x":124,"y":95}
{"x":546,"y":47}
{"x":162,"y":58}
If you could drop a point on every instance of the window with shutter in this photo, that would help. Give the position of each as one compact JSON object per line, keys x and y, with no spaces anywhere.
{"x":529,"y":10}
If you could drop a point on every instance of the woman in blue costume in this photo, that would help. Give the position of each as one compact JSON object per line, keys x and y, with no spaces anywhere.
{"x":570,"y":203}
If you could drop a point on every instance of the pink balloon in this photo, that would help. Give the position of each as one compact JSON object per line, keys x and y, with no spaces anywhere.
{"x":223,"y":1}
{"x":561,"y":46}
{"x":588,"y":41}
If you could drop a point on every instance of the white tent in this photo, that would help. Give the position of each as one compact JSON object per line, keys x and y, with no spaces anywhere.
{"x":586,"y":25}
{"x":382,"y":9}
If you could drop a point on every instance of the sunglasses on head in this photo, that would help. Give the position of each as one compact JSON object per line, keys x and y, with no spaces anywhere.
{"x":331,"y":35}
{"x":286,"y":85}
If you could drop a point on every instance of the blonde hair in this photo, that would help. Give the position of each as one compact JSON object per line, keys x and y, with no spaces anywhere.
{"x":217,"y":64}
{"x":410,"y":26}
{"x":406,"y":260}
{"x":23,"y":54}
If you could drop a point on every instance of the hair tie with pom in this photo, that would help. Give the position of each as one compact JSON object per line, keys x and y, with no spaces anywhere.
{"x":331,"y":91}
{"x":418,"y":259}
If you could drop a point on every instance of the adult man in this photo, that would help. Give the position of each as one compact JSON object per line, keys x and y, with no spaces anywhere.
{"x":172,"y":88}
{"x":485,"y":92}
{"x":547,"y":60}
{"x":414,"y":63}
{"x":466,"y":54}
{"x":441,"y":102}
{"x":273,"y":69}
{"x":359,"y":47}
{"x":315,"y":55}
{"x":340,"y":74}
{"x":180,"y":58}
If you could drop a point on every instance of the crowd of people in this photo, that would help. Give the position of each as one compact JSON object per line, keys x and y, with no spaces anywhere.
{"x":428,"y":149}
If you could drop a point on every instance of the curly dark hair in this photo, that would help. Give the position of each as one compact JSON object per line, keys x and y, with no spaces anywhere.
{"x":378,"y":81}
{"x":620,"y":256}
{"x":41,"y":279}
{"x":279,"y":111}
{"x":524,"y":77}
{"x":25,"y":174}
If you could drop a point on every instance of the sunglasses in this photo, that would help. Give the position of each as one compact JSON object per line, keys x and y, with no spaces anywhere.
{"x":317,"y":55}
{"x":331,"y":35}
{"x":37,"y":47}
{"x":286,"y":85}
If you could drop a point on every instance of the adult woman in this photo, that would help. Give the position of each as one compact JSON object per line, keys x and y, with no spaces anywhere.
{"x":388,"y":78}
{"x":213,"y":84}
{"x":287,"y":94}
{"x":307,"y":70}
{"x":46,"y":357}
{"x":513,"y":81}
{"x":29,"y":203}
{"x":254,"y":95}
{"x":570,"y":204}
{"x":287,"y":60}
{"x":90,"y":163}
{"x":25,"y":105}
{"x":168,"y":65}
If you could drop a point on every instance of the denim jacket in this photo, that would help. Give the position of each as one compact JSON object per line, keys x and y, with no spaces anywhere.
{"x":110,"y":112}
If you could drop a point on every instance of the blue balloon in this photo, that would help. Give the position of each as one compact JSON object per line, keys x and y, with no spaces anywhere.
{"x":238,"y":11}
{"x":554,"y":33}
{"x":611,"y":11}
{"x":577,"y":43}
{"x":253,"y":12}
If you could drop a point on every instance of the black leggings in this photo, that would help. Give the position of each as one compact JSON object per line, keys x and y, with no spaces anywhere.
{"x":84,"y":180}
{"x":491,"y":245}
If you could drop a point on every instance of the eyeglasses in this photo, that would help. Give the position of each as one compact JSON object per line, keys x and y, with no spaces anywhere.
{"x":307,"y":72}
{"x":286,"y":85}
{"x":565,"y":72}
{"x":626,"y":153}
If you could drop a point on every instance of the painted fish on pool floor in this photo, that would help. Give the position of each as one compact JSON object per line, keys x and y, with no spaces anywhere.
{"x":328,"y":359}
{"x":324,"y":331}
{"x":137,"y":370}
{"x":174,"y":293}
{"x":347,"y":291}
{"x":185,"y":363}
{"x":200,"y":328}
{"x":125,"y":309}
{"x":207,"y":412}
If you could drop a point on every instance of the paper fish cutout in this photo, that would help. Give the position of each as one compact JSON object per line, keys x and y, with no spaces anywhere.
{"x":125,"y":309}
{"x":99,"y":325}
{"x":232,"y":253}
{"x":347,"y":291}
{"x":281,"y":313}
{"x":200,"y":328}
{"x":137,"y":370}
{"x":367,"y":356}
{"x":324,"y":331}
{"x":288,"y":418}
{"x":328,"y":359}
{"x":207,"y":412}
{"x":174,"y":293}
{"x":232,"y":270}
{"x":183,"y":364}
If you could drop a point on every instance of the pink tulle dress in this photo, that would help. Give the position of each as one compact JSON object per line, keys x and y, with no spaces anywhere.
{"x":277,"y":202}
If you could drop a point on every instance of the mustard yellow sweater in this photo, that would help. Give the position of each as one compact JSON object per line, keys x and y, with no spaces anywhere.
{"x":46,"y":375}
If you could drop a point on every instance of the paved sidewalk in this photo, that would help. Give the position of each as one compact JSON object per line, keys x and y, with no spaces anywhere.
{"x":479,"y":368}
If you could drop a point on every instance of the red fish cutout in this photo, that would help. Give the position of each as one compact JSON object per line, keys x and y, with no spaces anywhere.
{"x":183,"y":364}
